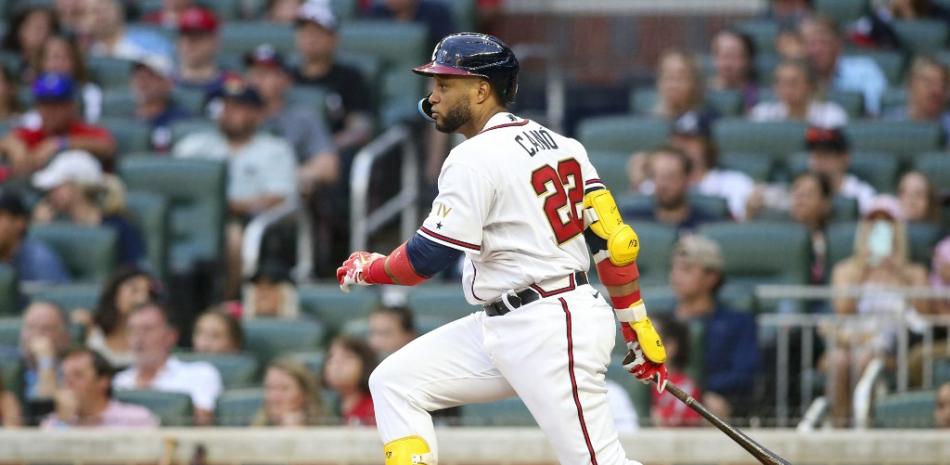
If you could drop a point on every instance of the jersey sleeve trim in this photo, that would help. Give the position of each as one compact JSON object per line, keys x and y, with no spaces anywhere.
{"x":593,"y":185}
{"x":454,"y":243}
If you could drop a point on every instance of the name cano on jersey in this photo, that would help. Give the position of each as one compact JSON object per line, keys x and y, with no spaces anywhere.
{"x":535,"y":141}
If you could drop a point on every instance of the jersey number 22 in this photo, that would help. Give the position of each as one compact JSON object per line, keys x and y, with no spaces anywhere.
{"x":568,"y":184}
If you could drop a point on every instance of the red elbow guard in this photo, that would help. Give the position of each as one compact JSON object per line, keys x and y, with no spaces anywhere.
{"x":613,"y":275}
{"x":400,"y":269}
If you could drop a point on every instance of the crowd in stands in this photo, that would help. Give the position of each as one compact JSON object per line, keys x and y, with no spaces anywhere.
{"x":284,"y":119}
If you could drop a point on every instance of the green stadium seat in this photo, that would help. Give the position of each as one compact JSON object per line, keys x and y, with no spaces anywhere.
{"x":238,"y":407}
{"x":10,"y":369}
{"x":922,"y":36}
{"x":765,"y":64}
{"x":183,"y":128}
{"x":312,"y":359}
{"x":149,"y":213}
{"x":612,"y":169}
{"x":941,"y":371}
{"x":192,"y":100}
{"x":344,"y":9}
{"x":775,"y":140}
{"x":424,"y":323}
{"x":922,"y":238}
{"x":890,"y":62}
{"x":463,"y":13}
{"x":130,"y":134}
{"x":841,"y":11}
{"x":89,"y":253}
{"x":623,"y":133}
{"x":943,"y":57}
{"x":840,"y":243}
{"x":172,"y":408}
{"x":727,"y":102}
{"x":442,"y":301}
{"x":718,"y":207}
{"x":236,"y":370}
{"x":70,"y":297}
{"x":10,"y":331}
{"x":659,"y":296}
{"x":763,"y":33}
{"x":894,"y":98}
{"x":110,"y":72}
{"x":751,"y":256}
{"x":844,"y":209}
{"x":903,"y":138}
{"x":738,"y":296}
{"x":195,"y":191}
{"x":225,"y":10}
{"x":399,"y":97}
{"x":936,"y":165}
{"x":395,"y":44}
{"x":269,"y":338}
{"x":638,"y":392}
{"x":9,"y":294}
{"x":239,"y":37}
{"x":876,"y":168}
{"x":311,"y":97}
{"x":852,"y":102}
{"x":118,"y":103}
{"x":905,"y":410}
{"x":333,"y":308}
{"x":643,"y":100}
{"x":505,"y":412}
{"x":757,"y":166}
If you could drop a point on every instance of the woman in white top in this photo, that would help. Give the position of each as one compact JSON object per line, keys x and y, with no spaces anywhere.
{"x":795,"y":87}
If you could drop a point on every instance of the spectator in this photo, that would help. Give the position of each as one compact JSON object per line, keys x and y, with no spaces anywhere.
{"x":788,"y":12}
{"x":44,"y":338}
{"x":349,"y":111}
{"x":433,"y":14}
{"x":852,"y":73}
{"x":730,"y":348}
{"x":811,"y":207}
{"x":283,"y":11}
{"x":621,"y":408}
{"x":69,"y":13}
{"x":693,"y":135}
{"x":11,"y":415}
{"x":103,"y":27}
{"x":789,"y":45}
{"x":107,"y":328}
{"x":60,"y":54}
{"x":667,"y":410}
{"x":927,"y":90}
{"x":217,"y":332}
{"x":918,"y":198}
{"x":170,"y":13}
{"x":10,"y":107}
{"x":77,"y":191}
{"x":29,"y":29}
{"x":85,"y":399}
{"x":291,"y":397}
{"x":940,"y":276}
{"x":829,"y":154}
{"x":942,"y":410}
{"x":876,"y":28}
{"x":795,"y":87}
{"x":32,"y":260}
{"x":271,"y":294}
{"x":198,"y":50}
{"x":152,"y":338}
{"x":299,"y":125}
{"x":346,"y":371}
{"x":680,"y":87}
{"x":152,"y":83}
{"x":939,"y":348}
{"x":390,"y":328}
{"x":880,"y":261}
{"x":669,"y":168}
{"x":733,"y":54}
{"x":30,"y":148}
{"x":261,"y":167}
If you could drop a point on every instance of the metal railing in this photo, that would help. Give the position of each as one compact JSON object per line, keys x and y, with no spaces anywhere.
{"x":363,"y":222}
{"x":554,"y":86}
{"x":257,"y":227}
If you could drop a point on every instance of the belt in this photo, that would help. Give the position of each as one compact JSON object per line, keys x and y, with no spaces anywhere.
{"x":512,"y":300}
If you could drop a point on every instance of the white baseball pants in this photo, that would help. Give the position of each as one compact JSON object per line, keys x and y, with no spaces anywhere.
{"x":552,"y":353}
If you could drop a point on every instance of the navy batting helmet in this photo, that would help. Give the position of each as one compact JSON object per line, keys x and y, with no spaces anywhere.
{"x":473,"y":54}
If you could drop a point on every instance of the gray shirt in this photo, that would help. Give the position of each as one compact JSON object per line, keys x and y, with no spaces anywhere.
{"x":304,"y":130}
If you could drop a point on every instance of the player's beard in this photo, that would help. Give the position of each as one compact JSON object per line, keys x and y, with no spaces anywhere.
{"x":455,"y":118}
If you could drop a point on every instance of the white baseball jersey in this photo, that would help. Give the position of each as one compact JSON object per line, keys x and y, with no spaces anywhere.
{"x":512,"y":198}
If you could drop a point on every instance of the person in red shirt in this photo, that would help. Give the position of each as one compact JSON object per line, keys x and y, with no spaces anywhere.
{"x":667,"y":411}
{"x":346,"y":371}
{"x":27,"y":149}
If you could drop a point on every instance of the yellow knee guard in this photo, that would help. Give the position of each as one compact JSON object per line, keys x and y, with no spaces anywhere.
{"x":410,"y":450}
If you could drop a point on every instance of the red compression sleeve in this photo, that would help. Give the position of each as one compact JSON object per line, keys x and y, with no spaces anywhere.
{"x":394,"y":269}
{"x":613,"y":275}
{"x":625,"y":301}
{"x":376,"y":274}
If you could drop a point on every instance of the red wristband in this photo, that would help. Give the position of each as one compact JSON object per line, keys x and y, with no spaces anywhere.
{"x":613,"y":275}
{"x":376,"y":274}
{"x":625,"y":301}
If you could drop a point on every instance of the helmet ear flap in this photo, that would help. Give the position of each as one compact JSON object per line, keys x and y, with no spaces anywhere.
{"x":425,"y":108}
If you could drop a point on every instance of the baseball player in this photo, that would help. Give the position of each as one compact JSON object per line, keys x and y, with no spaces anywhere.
{"x":525,"y":206}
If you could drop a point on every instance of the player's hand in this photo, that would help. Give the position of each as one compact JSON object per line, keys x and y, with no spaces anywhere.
{"x":647,"y":356}
{"x":351,"y":272}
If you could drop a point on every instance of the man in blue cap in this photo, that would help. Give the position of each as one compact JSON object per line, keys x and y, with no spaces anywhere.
{"x":28,"y":149}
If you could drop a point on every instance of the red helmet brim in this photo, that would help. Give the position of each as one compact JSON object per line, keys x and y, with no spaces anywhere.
{"x":437,"y":69}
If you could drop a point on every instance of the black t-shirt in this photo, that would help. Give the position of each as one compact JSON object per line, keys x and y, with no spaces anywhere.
{"x":346,"y":92}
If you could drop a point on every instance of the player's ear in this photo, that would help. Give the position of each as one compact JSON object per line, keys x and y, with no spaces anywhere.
{"x":482,"y":91}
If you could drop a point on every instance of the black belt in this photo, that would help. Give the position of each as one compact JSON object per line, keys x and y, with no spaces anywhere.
{"x":530,"y":294}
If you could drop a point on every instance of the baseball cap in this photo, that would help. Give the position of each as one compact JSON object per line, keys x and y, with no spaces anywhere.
{"x":72,"y":165}
{"x":273,"y":272}
{"x":53,"y":87}
{"x":11,"y":203}
{"x":826,"y":139}
{"x":264,"y":55}
{"x":197,"y":20}
{"x":158,"y":64}
{"x":692,"y":124}
{"x":319,"y":12}
{"x":886,"y":204}
{"x":699,"y":250}
{"x":235,"y":88}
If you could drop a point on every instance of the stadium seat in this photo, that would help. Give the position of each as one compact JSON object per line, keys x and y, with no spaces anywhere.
{"x":905,"y":410}
{"x":130,"y":134}
{"x":638,"y":392}
{"x":442,"y":301}
{"x":894,"y":98}
{"x":149,"y":213}
{"x":936,"y":165}
{"x":118,"y":103}
{"x":269,"y":338}
{"x":325,"y":303}
{"x":726,"y":102}
{"x":876,"y":168}
{"x":10,"y":331}
{"x":402,"y":45}
{"x":423,"y":323}
{"x":312,"y":359}
{"x":612,"y":169}
{"x":890,"y":62}
{"x":844,"y":209}
{"x":717,"y":207}
{"x":624,"y":133}
{"x":922,"y":36}
{"x":659,"y":297}
{"x":89,"y":253}
{"x":776,"y":140}
{"x":903,"y":138}
{"x":751,"y":256}
{"x":344,"y":9}
{"x":9,"y":294}
{"x":757,"y":166}
{"x":463,"y":13}
{"x":851,"y":101}
{"x":399,"y":98}
{"x":110,"y":73}
{"x":765,"y":64}
{"x":236,"y":370}
{"x":941,"y":371}
{"x":195,"y":191}
{"x":70,"y":296}
{"x":506,"y":412}
{"x":238,"y":407}
{"x":172,"y":408}
{"x":840,"y":243}
{"x":841,"y":11}
{"x":239,"y":37}
{"x":311,"y":97}
{"x":763,"y":33}
{"x":182,"y":128}
{"x":192,"y":100}
{"x":921,"y":238}
{"x":738,"y":296}
{"x":643,"y":100}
